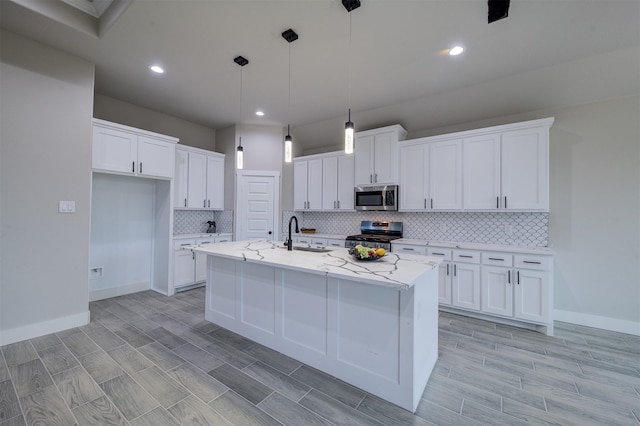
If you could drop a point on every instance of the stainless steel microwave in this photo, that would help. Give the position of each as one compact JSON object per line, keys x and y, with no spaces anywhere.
{"x":376,"y":197}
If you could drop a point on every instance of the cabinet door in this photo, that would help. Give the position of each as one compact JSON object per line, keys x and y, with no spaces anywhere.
{"x":497,"y":291}
{"x":444,"y":284}
{"x":215,"y":182}
{"x":525,"y":169}
{"x":481,"y":172}
{"x":197,"y":180}
{"x":184,"y":268}
{"x":466,"y":286}
{"x":445,"y":175}
{"x":314,"y":185}
{"x":300,"y":173}
{"x":181,"y":179}
{"x":114,"y":150}
{"x":385,"y":169}
{"x":414,"y":178}
{"x":333,"y":242}
{"x":155,"y":157}
{"x":345,"y":182}
{"x":363,"y":156}
{"x":532,"y":295}
{"x":330,"y":183}
{"x":201,"y":262}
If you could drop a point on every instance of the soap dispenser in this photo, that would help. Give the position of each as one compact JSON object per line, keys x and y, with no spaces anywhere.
{"x":212,"y":227}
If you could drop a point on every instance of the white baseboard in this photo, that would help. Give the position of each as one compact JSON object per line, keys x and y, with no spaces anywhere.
{"x":118,"y":291}
{"x":30,"y":331}
{"x":596,"y":321}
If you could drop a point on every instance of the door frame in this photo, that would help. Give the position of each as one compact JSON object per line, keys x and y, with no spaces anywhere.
{"x":241,"y":174}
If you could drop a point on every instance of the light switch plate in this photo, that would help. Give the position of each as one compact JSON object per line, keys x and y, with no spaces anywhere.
{"x":67,"y":207}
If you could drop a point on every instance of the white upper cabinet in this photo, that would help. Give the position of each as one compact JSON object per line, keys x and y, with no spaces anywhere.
{"x":126,"y":150}
{"x":307,"y":184}
{"x":337,"y":182}
{"x":445,"y":175}
{"x":525,"y":169}
{"x":501,"y":168}
{"x":199,"y":179}
{"x":414,"y":178}
{"x":376,"y":156}
{"x":323,"y":182}
{"x":481,"y":172}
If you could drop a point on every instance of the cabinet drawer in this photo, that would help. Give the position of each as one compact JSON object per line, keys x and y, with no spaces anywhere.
{"x":335,"y":243}
{"x":205,"y":241}
{"x":318,"y":242}
{"x":497,"y":259}
{"x":542,"y":263}
{"x":466,"y":256}
{"x":445,"y":254}
{"x":222,"y":239}
{"x":302,"y":240}
{"x":180,"y":244}
{"x":409,"y":249}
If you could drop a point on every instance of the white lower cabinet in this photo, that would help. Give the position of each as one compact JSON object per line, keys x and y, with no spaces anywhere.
{"x":518,"y":288}
{"x":189,"y":267}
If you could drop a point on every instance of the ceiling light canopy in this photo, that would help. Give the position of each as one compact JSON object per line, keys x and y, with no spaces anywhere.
{"x":455,"y":51}
{"x":157,"y":69}
{"x":260,"y":113}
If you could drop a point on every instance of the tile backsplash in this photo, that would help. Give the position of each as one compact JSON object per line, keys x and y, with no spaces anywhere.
{"x":518,"y":229}
{"x":195,"y":221}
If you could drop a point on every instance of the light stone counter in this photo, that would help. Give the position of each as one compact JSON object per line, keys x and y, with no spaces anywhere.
{"x":395,"y":270}
{"x":545,"y":251}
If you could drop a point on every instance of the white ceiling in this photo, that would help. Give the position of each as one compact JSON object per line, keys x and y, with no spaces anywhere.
{"x":546,"y":53}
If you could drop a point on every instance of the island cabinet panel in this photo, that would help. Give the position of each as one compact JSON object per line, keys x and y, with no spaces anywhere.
{"x":365,"y":331}
{"x":304,"y":310}
{"x":257,"y":297}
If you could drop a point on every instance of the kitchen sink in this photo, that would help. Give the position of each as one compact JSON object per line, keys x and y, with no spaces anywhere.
{"x":311,"y":249}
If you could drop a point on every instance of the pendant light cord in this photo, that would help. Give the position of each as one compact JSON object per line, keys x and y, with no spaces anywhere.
{"x":289,"y":107}
{"x":350,"y":66}
{"x":240,"y":116}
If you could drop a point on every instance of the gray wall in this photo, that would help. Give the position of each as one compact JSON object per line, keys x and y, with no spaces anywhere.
{"x":189,"y":133}
{"x":45,"y":156}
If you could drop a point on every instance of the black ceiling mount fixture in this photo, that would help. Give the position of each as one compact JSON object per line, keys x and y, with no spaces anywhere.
{"x":351,"y":4}
{"x":240,"y":60}
{"x":498,"y":9}
{"x":290,"y":35}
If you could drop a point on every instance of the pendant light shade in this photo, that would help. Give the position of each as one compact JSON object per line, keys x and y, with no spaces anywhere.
{"x":350,"y":5}
{"x":290,"y":36}
{"x":348,"y":135}
{"x":240,"y":151}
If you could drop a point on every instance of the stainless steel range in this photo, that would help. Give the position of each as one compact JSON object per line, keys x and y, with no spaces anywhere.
{"x":375,"y":234}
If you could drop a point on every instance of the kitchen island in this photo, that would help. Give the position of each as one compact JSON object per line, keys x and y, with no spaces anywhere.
{"x":372,"y":324}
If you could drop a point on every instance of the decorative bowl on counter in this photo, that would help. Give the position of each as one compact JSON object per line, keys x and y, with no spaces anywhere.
{"x":367,"y":254}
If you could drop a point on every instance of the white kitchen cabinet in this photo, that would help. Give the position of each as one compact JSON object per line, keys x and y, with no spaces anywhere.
{"x":525,"y":169}
{"x":337,"y":182}
{"x":533,"y":294}
{"x":183,"y":263}
{"x":130,"y":151}
{"x":431,"y":176}
{"x":497,"y":290}
{"x":335,"y":242}
{"x":199,"y":179}
{"x":481,"y":172}
{"x":376,"y":156}
{"x":408,"y":249}
{"x":445,"y":175}
{"x":414,"y":178}
{"x":466,"y":280}
{"x":307,"y":184}
{"x":201,"y":260}
{"x":445,"y":276}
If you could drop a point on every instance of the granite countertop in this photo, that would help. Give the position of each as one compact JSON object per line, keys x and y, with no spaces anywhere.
{"x":395,"y":270}
{"x":334,"y":236}
{"x":201,"y":235}
{"x":475,"y":246}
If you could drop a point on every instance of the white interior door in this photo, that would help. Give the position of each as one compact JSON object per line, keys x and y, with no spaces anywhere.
{"x":257,"y":201}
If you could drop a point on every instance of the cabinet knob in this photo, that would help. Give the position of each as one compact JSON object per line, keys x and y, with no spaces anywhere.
{"x":270,"y":232}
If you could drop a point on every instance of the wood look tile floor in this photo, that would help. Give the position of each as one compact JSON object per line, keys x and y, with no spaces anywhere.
{"x":147,"y":359}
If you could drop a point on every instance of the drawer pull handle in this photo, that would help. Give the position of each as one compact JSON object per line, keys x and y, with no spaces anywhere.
{"x":508,"y":277}
{"x":518,"y":277}
{"x":465,"y":255}
{"x":187,"y":244}
{"x":205,"y":242}
{"x":496,"y":258}
{"x":531,"y":262}
{"x":447,"y":269}
{"x":438,"y":254}
{"x":408,"y":249}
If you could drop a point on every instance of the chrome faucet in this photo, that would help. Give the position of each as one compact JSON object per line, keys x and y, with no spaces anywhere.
{"x":290,"y":241}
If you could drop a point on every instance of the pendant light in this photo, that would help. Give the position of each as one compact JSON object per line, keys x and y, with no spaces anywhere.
{"x":348,"y":126}
{"x":290,"y":36}
{"x":240,"y":151}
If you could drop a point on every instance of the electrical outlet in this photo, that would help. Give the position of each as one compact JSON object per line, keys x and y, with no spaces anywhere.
{"x":508,"y":229}
{"x":67,"y":207}
{"x":95,"y":273}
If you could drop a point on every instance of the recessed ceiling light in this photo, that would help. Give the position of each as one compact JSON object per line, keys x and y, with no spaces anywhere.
{"x":156,"y":69}
{"x":259,"y":113}
{"x":455,"y":51}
